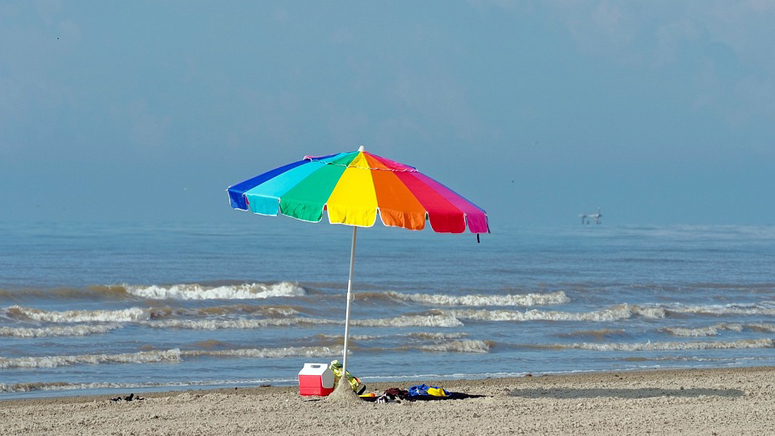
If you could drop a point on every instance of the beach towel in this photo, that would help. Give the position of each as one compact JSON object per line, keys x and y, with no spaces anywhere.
{"x":395,"y":395}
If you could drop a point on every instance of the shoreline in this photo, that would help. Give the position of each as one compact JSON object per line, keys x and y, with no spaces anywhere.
{"x":73,"y":395}
{"x":669,"y":401}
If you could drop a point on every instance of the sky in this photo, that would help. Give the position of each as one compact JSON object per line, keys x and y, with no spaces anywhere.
{"x":657,"y":112}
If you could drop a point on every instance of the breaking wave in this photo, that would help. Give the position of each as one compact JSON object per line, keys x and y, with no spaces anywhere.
{"x":65,"y":386}
{"x":701,"y":331}
{"x":666,"y":346}
{"x":220,"y":324}
{"x":480,"y":300}
{"x":62,"y":386}
{"x":401,"y":321}
{"x":266,"y":353}
{"x":729,"y":309}
{"x":622,"y":311}
{"x":238,"y":309}
{"x":767,"y":328}
{"x":191,"y":291}
{"x":42,"y":386}
{"x":433,"y":336}
{"x":90,"y":293}
{"x":173,"y":355}
{"x":137,"y":314}
{"x":72,"y":316}
{"x":596,"y":334}
{"x":466,"y":346}
{"x":229,"y":292}
{"x":90,"y":359}
{"x":714,"y":330}
{"x":410,"y":321}
{"x":76,"y":330}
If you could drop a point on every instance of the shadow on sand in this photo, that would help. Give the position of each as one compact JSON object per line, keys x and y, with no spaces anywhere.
{"x":623,"y":393}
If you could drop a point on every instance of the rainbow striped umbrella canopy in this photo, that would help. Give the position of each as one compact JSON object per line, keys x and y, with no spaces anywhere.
{"x":354,"y":188}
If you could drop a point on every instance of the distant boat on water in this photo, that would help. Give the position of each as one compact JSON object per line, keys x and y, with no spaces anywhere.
{"x":586,"y":217}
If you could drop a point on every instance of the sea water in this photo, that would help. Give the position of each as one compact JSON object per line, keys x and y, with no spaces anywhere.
{"x":107,"y":308}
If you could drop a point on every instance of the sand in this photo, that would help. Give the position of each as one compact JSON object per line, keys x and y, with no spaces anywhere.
{"x":737,"y":401}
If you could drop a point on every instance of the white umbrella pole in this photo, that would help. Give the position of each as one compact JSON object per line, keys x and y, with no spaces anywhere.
{"x":347,"y":315}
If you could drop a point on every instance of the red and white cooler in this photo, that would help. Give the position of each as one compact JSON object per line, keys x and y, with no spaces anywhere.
{"x":316,"y":379}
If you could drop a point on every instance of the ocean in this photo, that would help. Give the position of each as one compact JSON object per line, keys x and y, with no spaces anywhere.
{"x":118,"y":308}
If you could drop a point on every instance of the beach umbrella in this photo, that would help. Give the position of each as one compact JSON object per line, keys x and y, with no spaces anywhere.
{"x":354,"y":188}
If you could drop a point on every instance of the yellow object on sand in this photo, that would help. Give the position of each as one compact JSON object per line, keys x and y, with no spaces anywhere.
{"x":437,"y":392}
{"x":355,"y":383}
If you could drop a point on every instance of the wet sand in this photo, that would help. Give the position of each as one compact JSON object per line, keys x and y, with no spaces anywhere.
{"x":671,"y":402}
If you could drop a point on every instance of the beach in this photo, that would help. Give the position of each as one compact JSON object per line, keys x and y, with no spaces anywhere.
{"x":667,"y":402}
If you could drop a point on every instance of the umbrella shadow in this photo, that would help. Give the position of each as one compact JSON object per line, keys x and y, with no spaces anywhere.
{"x":624,"y":393}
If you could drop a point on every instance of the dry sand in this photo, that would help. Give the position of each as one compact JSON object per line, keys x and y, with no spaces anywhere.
{"x":736,"y":401}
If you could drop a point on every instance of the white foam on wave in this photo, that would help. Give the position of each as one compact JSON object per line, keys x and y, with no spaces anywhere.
{"x":217,"y":324}
{"x":63,"y":386}
{"x":245,"y":291}
{"x":172,"y":355}
{"x":279,"y":311}
{"x":38,"y":386}
{"x":229,"y":310}
{"x":465,"y":346}
{"x":220,"y":324}
{"x":770,"y":328}
{"x":646,"y":311}
{"x":74,"y":316}
{"x":410,"y":321}
{"x":702,"y":331}
{"x":57,"y":331}
{"x":622,"y":311}
{"x":666,"y":346}
{"x":266,"y":353}
{"x":714,"y":330}
{"x":728,"y":309}
{"x":433,"y":336}
{"x":483,"y":300}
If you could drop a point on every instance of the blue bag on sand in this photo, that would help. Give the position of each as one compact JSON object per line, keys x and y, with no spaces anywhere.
{"x":418,"y":390}
{"x":425,"y":390}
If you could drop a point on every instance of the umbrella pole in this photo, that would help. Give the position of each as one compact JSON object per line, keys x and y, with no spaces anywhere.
{"x":347,"y":314}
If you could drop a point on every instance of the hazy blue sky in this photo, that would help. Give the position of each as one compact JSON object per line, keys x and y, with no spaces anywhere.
{"x":659,"y":112}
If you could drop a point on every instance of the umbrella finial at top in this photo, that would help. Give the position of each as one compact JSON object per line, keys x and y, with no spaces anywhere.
{"x":361,"y":148}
